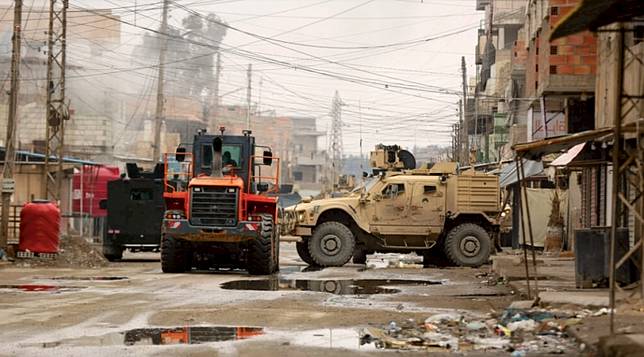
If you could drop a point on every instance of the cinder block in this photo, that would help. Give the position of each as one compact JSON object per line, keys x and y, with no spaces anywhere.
{"x":589,"y":59}
{"x":565,"y":69}
{"x":558,"y":59}
{"x":575,"y":40}
{"x":582,"y":69}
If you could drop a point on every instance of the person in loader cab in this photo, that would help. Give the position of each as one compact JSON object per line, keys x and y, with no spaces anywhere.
{"x":227,"y":160}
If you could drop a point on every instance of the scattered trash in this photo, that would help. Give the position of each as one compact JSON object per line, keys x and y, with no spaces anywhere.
{"x":602,"y":311}
{"x":519,"y":331}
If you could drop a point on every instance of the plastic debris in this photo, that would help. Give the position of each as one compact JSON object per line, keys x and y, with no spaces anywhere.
{"x":475,"y":325}
{"x":525,"y":325}
{"x":501,"y":330}
{"x":490,"y":342}
{"x":446,"y":317}
{"x":519,"y":331}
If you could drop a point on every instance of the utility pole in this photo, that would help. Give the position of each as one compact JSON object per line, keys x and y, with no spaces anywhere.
{"x":215,"y":106}
{"x":10,"y":145}
{"x":57,"y":111}
{"x":465,"y":140}
{"x":249,"y":75}
{"x":336,"y":137}
{"x":158,"y":119}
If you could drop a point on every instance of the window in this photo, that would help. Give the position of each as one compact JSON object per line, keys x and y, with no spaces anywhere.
{"x":394,"y":189}
{"x":429,"y":189}
{"x":137,"y":194}
{"x":231,"y":155}
{"x":554,"y":11}
{"x":554,"y":50}
{"x":553,"y":69}
{"x":206,"y":155}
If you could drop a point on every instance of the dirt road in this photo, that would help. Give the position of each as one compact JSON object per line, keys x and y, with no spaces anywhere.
{"x":131,"y":308}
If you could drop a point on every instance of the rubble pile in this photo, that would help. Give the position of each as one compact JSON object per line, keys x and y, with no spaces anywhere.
{"x":74,"y":252}
{"x":518,"y":331}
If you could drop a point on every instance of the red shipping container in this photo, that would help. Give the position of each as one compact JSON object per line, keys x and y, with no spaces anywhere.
{"x":39,"y":227}
{"x":94,"y":188}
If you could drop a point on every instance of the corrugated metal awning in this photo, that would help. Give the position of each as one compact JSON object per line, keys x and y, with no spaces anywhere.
{"x":536,"y":149}
{"x":566,"y":158}
{"x":508,"y":174}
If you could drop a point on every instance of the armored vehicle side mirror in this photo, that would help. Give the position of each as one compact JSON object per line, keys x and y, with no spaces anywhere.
{"x":180,"y":154}
{"x":268,"y":158}
{"x":262,"y":186}
{"x":102,"y":204}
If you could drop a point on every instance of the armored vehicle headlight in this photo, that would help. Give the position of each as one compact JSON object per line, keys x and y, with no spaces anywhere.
{"x":300,"y":216}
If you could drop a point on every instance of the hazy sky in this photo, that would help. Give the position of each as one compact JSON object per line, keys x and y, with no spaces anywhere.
{"x":380,"y":43}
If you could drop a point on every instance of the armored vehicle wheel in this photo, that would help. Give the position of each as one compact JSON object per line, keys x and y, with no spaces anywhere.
{"x":303,"y":251}
{"x":468,"y":245}
{"x":174,"y":257}
{"x":359,"y":256}
{"x":112,"y":253}
{"x":261,"y":249}
{"x":331,"y":244}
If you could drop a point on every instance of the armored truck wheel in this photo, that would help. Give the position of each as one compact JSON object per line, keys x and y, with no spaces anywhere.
{"x":113,"y":253}
{"x":174,"y":257}
{"x":359,"y":256}
{"x":468,"y":245}
{"x":331,"y":244}
{"x":303,"y":251}
{"x":261,"y":251}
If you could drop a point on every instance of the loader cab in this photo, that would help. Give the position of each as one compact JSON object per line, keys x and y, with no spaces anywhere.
{"x":237,"y":155}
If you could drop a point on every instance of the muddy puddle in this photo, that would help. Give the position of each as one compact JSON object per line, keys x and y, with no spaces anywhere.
{"x":189,"y":335}
{"x":86,"y":278}
{"x":338,"y":287}
{"x":34,"y":288}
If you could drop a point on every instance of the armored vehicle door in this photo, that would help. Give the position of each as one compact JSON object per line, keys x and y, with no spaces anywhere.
{"x":140,"y":207}
{"x":427,"y":210}
{"x":391,"y":209}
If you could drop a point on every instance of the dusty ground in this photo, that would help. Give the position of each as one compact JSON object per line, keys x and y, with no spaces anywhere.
{"x":90,"y":317}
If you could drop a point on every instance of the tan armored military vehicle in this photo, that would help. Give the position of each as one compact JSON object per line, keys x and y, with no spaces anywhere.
{"x":402,"y":209}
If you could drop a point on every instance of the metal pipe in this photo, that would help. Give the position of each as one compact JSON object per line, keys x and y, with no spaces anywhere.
{"x":617,"y":123}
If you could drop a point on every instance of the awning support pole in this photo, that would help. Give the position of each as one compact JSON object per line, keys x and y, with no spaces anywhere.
{"x":527,"y":211}
{"x":525,"y":245}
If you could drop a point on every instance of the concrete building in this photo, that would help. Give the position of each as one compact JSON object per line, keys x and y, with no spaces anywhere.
{"x":308,"y":162}
{"x":528,"y":87}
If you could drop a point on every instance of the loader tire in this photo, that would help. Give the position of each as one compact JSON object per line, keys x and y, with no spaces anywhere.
{"x":468,"y":245}
{"x":303,"y":251}
{"x":331,"y":244}
{"x":174,"y":256}
{"x":261,"y":250}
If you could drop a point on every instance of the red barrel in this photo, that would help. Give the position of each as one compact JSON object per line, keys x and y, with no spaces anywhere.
{"x":39,"y":227}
